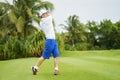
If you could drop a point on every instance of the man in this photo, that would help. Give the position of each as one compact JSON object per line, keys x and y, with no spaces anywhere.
{"x":50,"y":43}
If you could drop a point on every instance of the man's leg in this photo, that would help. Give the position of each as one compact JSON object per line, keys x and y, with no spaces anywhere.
{"x":56,"y":62}
{"x":39,"y":62}
{"x":46,"y":55}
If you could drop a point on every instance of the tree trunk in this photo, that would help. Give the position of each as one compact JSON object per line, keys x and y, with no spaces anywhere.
{"x":25,"y":31}
{"x":73,"y":43}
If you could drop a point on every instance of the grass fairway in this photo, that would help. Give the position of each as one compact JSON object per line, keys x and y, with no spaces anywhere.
{"x":79,"y":65}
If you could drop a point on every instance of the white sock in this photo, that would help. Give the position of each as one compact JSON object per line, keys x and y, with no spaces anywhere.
{"x":36,"y":67}
{"x":56,"y":68}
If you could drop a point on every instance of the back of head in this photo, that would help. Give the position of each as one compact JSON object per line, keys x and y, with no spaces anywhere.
{"x":42,"y":11}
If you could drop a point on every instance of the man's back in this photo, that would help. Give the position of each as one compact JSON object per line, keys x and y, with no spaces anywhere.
{"x":47,"y":27}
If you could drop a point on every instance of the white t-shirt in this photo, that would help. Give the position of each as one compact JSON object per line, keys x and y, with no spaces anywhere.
{"x":47,"y":26}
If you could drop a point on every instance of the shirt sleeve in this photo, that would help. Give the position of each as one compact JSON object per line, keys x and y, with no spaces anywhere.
{"x":36,"y":25}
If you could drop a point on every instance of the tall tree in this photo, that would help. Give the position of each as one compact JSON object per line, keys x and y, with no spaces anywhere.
{"x":115,"y":34}
{"x":5,"y":24}
{"x":4,"y":21}
{"x":108,"y":32}
{"x":92,"y":32}
{"x":22,"y":12}
{"x":75,"y":30}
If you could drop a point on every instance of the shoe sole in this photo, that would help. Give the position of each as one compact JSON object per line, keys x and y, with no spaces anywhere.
{"x":56,"y":72}
{"x":34,"y":71}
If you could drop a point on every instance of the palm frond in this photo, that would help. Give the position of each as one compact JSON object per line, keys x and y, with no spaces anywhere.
{"x":20,"y":24}
{"x":12,"y":17}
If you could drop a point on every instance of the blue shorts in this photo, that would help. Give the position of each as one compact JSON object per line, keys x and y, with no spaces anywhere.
{"x":51,"y":47}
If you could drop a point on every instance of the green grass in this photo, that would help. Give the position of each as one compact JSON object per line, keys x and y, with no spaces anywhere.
{"x":79,"y":65}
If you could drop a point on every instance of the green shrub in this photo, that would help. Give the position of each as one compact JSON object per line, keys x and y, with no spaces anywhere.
{"x":78,"y":46}
{"x":14,"y":48}
{"x":60,"y":41}
{"x":95,"y":48}
{"x":69,"y":47}
{"x":19,"y":48}
{"x":1,"y":51}
{"x":35,"y":44}
{"x":81,"y":46}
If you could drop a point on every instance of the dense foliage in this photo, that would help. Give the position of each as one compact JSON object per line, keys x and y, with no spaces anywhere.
{"x":19,"y":38}
{"x":91,"y":36}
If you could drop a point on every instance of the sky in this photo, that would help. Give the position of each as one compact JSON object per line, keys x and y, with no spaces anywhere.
{"x":87,"y":10}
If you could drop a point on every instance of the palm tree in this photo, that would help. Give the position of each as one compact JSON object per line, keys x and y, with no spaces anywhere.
{"x":16,"y":20}
{"x":75,"y":30}
{"x":22,"y":12}
{"x":5,"y":24}
{"x":4,"y":21}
